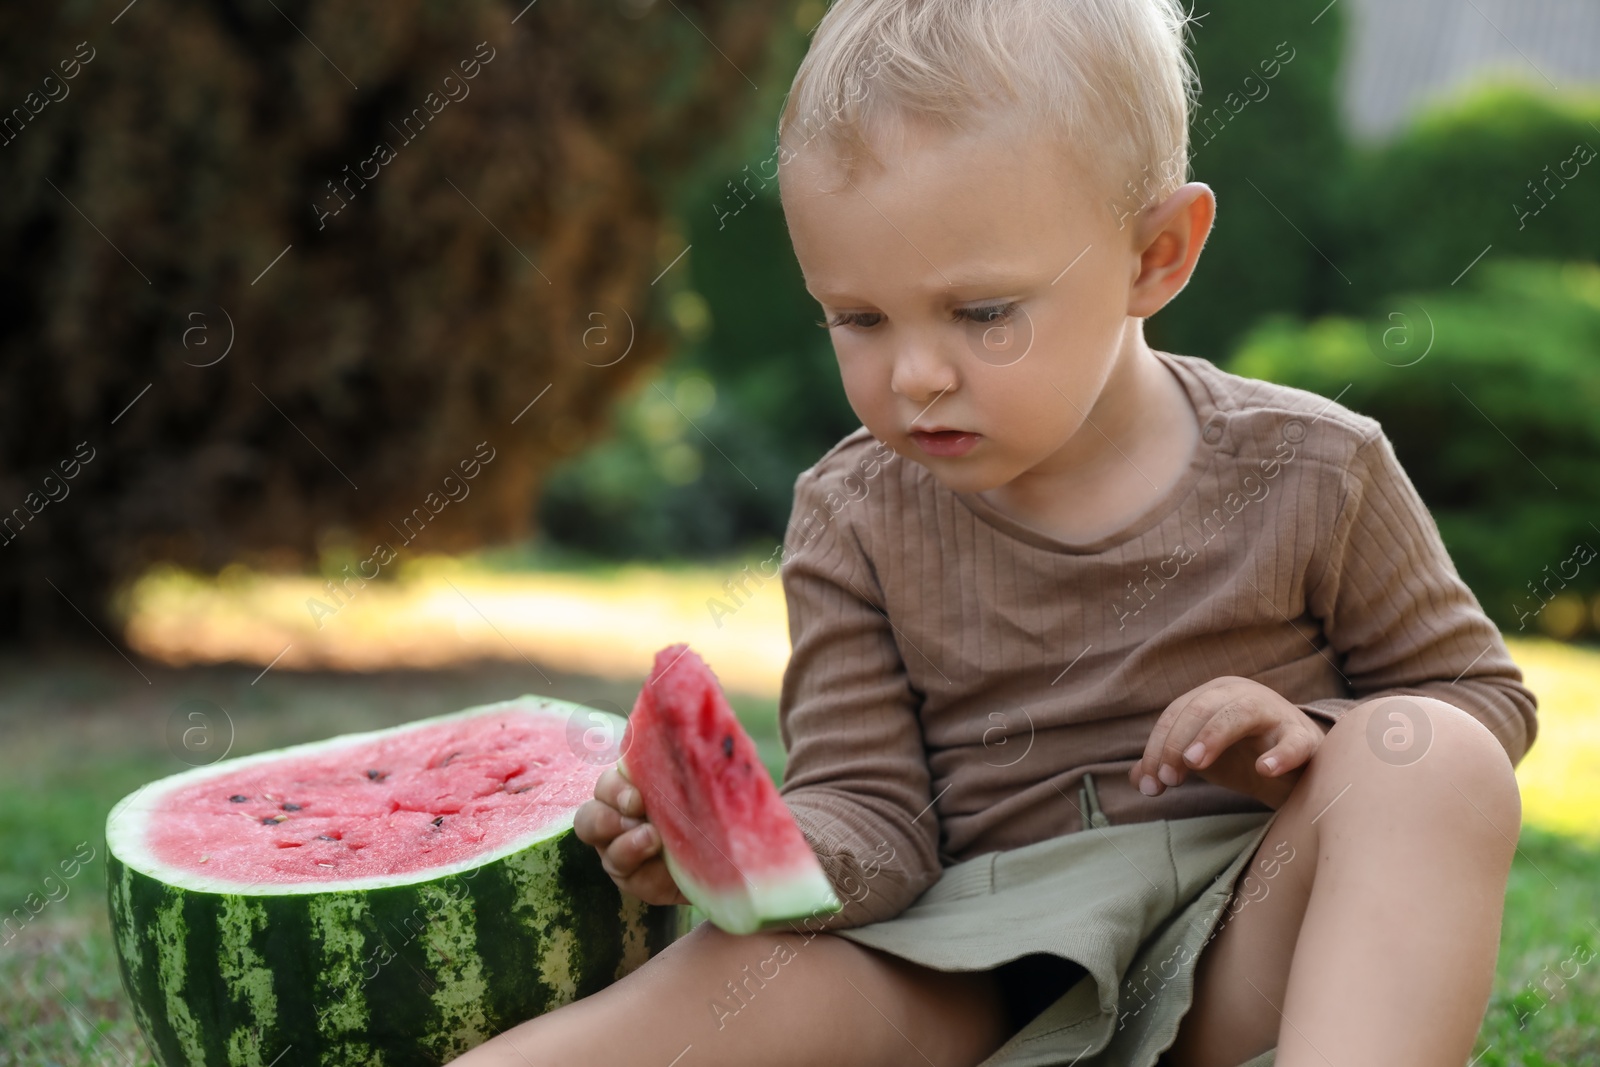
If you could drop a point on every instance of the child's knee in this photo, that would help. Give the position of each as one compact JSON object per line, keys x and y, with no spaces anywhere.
{"x":1430,"y":752}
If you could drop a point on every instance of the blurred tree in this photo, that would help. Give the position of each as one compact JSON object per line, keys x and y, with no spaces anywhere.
{"x":1266,"y":136}
{"x":404,"y":223}
{"x":761,"y":397}
{"x":762,"y":387}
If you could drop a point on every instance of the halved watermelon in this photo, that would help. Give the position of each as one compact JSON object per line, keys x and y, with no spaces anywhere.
{"x":394,"y":897}
{"x":729,"y":840}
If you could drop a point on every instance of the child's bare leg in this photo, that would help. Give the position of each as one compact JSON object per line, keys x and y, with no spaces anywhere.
{"x":778,"y":998}
{"x":1391,"y":907}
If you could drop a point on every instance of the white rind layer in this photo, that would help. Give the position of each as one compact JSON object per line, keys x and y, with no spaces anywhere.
{"x":762,"y":901}
{"x":126,"y":823}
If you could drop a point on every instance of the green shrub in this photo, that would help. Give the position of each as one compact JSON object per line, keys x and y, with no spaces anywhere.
{"x":761,"y":386}
{"x":1265,"y":146}
{"x":1490,"y":392}
{"x":1419,"y":209}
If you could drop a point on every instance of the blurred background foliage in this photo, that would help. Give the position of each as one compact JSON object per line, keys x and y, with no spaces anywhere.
{"x":1333,"y":263}
{"x":1490,"y":392}
{"x":1477,"y":170}
{"x":392,"y":338}
{"x":326,"y":331}
{"x":762,"y":393}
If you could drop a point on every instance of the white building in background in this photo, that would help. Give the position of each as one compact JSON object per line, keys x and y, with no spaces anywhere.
{"x":1404,"y":54}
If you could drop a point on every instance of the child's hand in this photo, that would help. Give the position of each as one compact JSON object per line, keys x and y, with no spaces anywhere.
{"x":630,"y":848}
{"x":1234,"y":733}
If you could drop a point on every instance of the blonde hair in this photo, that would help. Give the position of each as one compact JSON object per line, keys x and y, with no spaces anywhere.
{"x":1112,"y":78}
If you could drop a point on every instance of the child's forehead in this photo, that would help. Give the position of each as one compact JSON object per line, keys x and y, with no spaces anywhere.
{"x":993,"y":157}
{"x":938,"y":228}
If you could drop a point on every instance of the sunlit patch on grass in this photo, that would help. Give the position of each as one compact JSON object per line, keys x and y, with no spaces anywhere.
{"x":1560,"y":776}
{"x":441,"y":612}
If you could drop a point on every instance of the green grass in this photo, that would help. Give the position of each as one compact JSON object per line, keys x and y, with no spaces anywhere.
{"x":1545,"y":1008}
{"x":76,"y":736}
{"x":63,"y":1003}
{"x":61,"y":999}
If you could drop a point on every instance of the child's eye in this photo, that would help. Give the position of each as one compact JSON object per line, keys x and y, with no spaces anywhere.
{"x":988,"y":314}
{"x":853,"y":318}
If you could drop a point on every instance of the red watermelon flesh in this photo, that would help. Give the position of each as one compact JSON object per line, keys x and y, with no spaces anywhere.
{"x":729,"y":840}
{"x":405,"y":802}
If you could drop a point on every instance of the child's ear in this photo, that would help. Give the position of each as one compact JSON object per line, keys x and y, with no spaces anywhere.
{"x":1167,"y":241}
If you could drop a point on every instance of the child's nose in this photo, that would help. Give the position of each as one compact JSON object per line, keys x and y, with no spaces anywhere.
{"x":922,"y":373}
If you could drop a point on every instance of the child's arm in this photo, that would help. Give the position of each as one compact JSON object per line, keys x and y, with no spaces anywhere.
{"x":1397,"y":619}
{"x":1397,"y":616}
{"x":857,"y":777}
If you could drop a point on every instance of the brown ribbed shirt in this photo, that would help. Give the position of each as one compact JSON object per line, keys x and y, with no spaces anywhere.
{"x":955,"y":673}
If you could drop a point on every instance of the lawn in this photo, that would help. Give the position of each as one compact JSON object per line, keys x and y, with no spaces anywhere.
{"x":75,"y":735}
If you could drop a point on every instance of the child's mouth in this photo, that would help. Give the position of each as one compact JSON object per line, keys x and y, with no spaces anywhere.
{"x":945,"y":442}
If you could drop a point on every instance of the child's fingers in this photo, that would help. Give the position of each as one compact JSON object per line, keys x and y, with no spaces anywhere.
{"x":653,"y":884}
{"x":1144,"y":772}
{"x":1163,"y":763}
{"x":598,"y":823}
{"x":592,"y":824}
{"x":1230,"y":724}
{"x":628,"y":851}
{"x":1291,"y":749}
{"x":613,"y":788}
{"x":629,"y":846}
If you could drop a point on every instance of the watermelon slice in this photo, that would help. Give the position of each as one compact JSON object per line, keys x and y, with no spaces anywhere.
{"x":729,"y":840}
{"x":394,"y":897}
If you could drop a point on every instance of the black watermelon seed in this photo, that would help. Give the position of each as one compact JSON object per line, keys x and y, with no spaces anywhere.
{"x":439,"y":821}
{"x":237,"y":799}
{"x":377,"y":775}
{"x":727,"y":745}
{"x":273,"y":820}
{"x":291,"y":807}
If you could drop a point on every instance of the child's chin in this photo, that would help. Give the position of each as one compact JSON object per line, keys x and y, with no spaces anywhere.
{"x":963,"y":474}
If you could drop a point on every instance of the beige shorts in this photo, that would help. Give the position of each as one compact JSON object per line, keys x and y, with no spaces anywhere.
{"x":1108,"y":923}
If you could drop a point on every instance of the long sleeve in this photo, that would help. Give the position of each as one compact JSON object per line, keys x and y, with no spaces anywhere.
{"x":1398,"y":615}
{"x":857,"y":774}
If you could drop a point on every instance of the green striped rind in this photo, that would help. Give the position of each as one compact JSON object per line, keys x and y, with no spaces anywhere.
{"x":378,"y":976}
